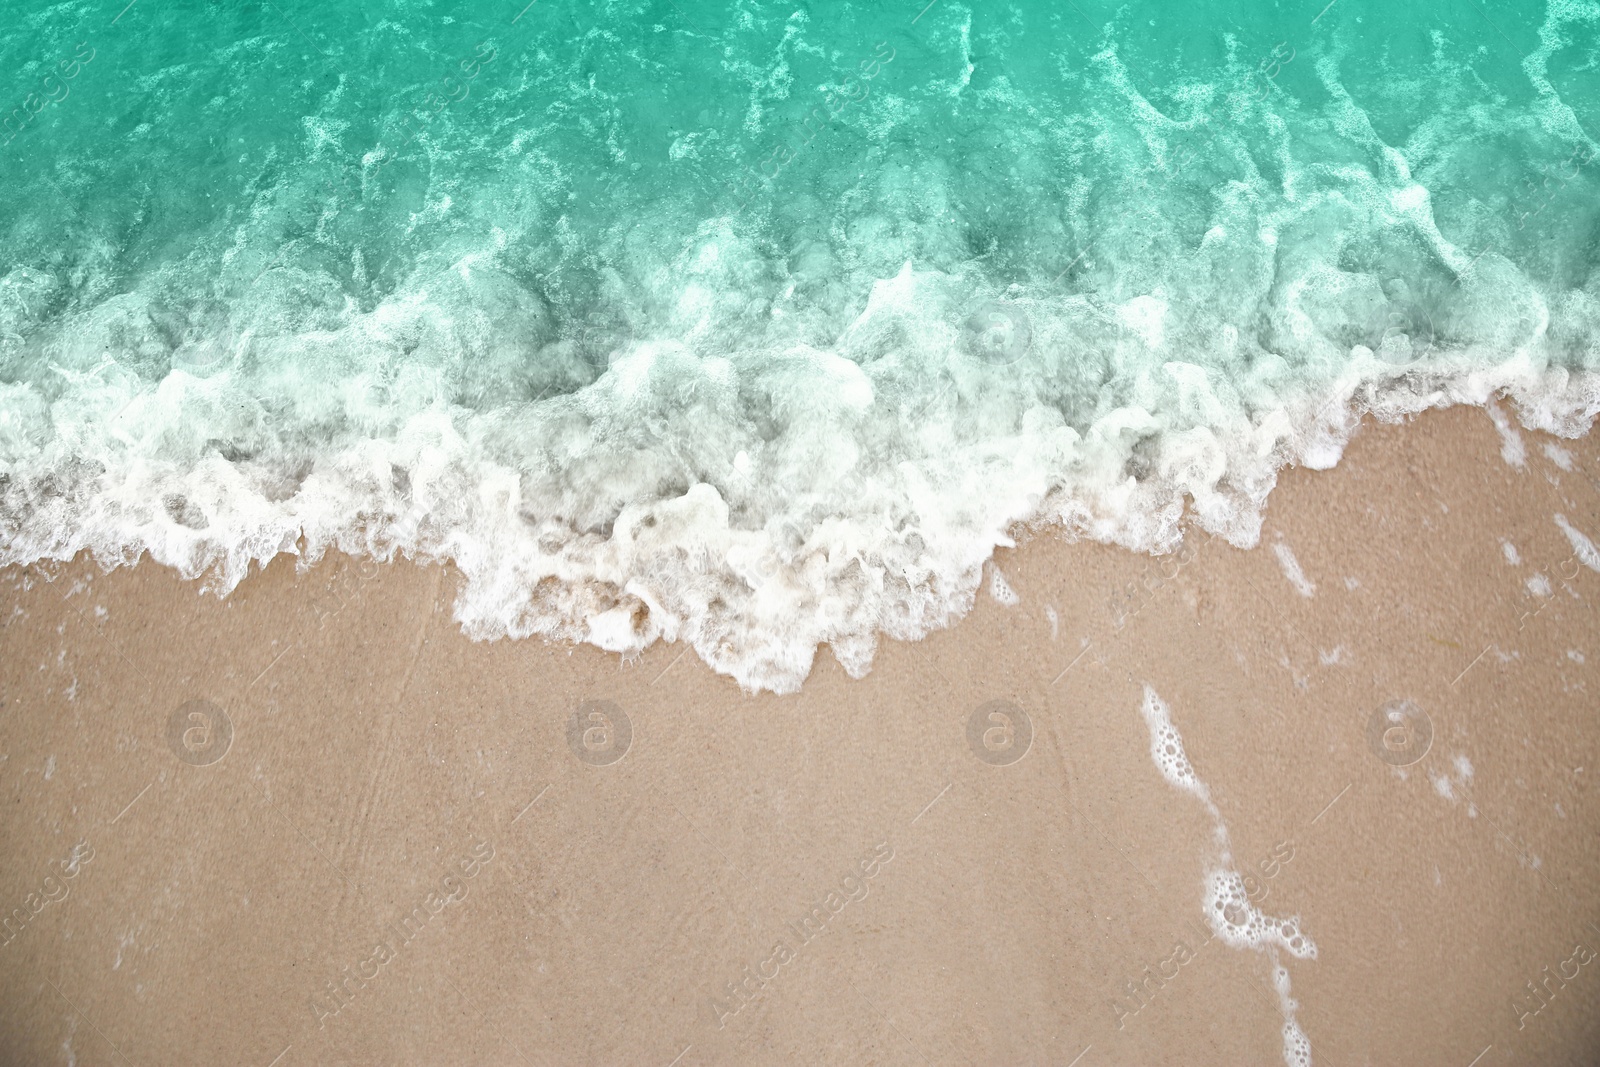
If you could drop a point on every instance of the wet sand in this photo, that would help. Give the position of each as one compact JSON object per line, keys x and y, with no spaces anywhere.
{"x":314,"y":824}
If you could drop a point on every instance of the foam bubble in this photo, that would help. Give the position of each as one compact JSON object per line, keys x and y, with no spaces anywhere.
{"x":1166,"y":747}
{"x":1296,"y":1046}
{"x":1001,"y":590}
{"x":1235,"y":919}
{"x":1225,"y":900}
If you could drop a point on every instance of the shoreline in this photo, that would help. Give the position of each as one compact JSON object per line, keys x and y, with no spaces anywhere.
{"x":757,"y":578}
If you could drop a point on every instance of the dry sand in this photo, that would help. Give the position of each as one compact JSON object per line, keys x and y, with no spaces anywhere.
{"x":390,"y":851}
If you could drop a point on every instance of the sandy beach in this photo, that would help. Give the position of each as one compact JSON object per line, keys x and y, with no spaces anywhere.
{"x":314,"y":824}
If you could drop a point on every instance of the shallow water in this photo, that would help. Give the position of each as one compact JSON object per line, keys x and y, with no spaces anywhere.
{"x":761,"y":326}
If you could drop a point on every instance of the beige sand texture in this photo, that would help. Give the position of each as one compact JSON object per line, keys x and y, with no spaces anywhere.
{"x":314,"y":824}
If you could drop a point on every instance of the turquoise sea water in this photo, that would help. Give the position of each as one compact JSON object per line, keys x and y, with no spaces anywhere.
{"x":759,"y":324}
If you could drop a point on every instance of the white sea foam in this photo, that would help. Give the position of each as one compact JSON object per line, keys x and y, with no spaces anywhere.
{"x":1291,"y":569}
{"x":621,"y":513}
{"x":1582,"y":547}
{"x":812,"y":422}
{"x":1000,"y":589}
{"x":1229,"y":911}
{"x":1166,"y":749}
{"x":1561,"y":457}
{"x":1512,"y":450}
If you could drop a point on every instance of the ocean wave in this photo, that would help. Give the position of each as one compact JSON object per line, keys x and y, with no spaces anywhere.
{"x":782,"y":363}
